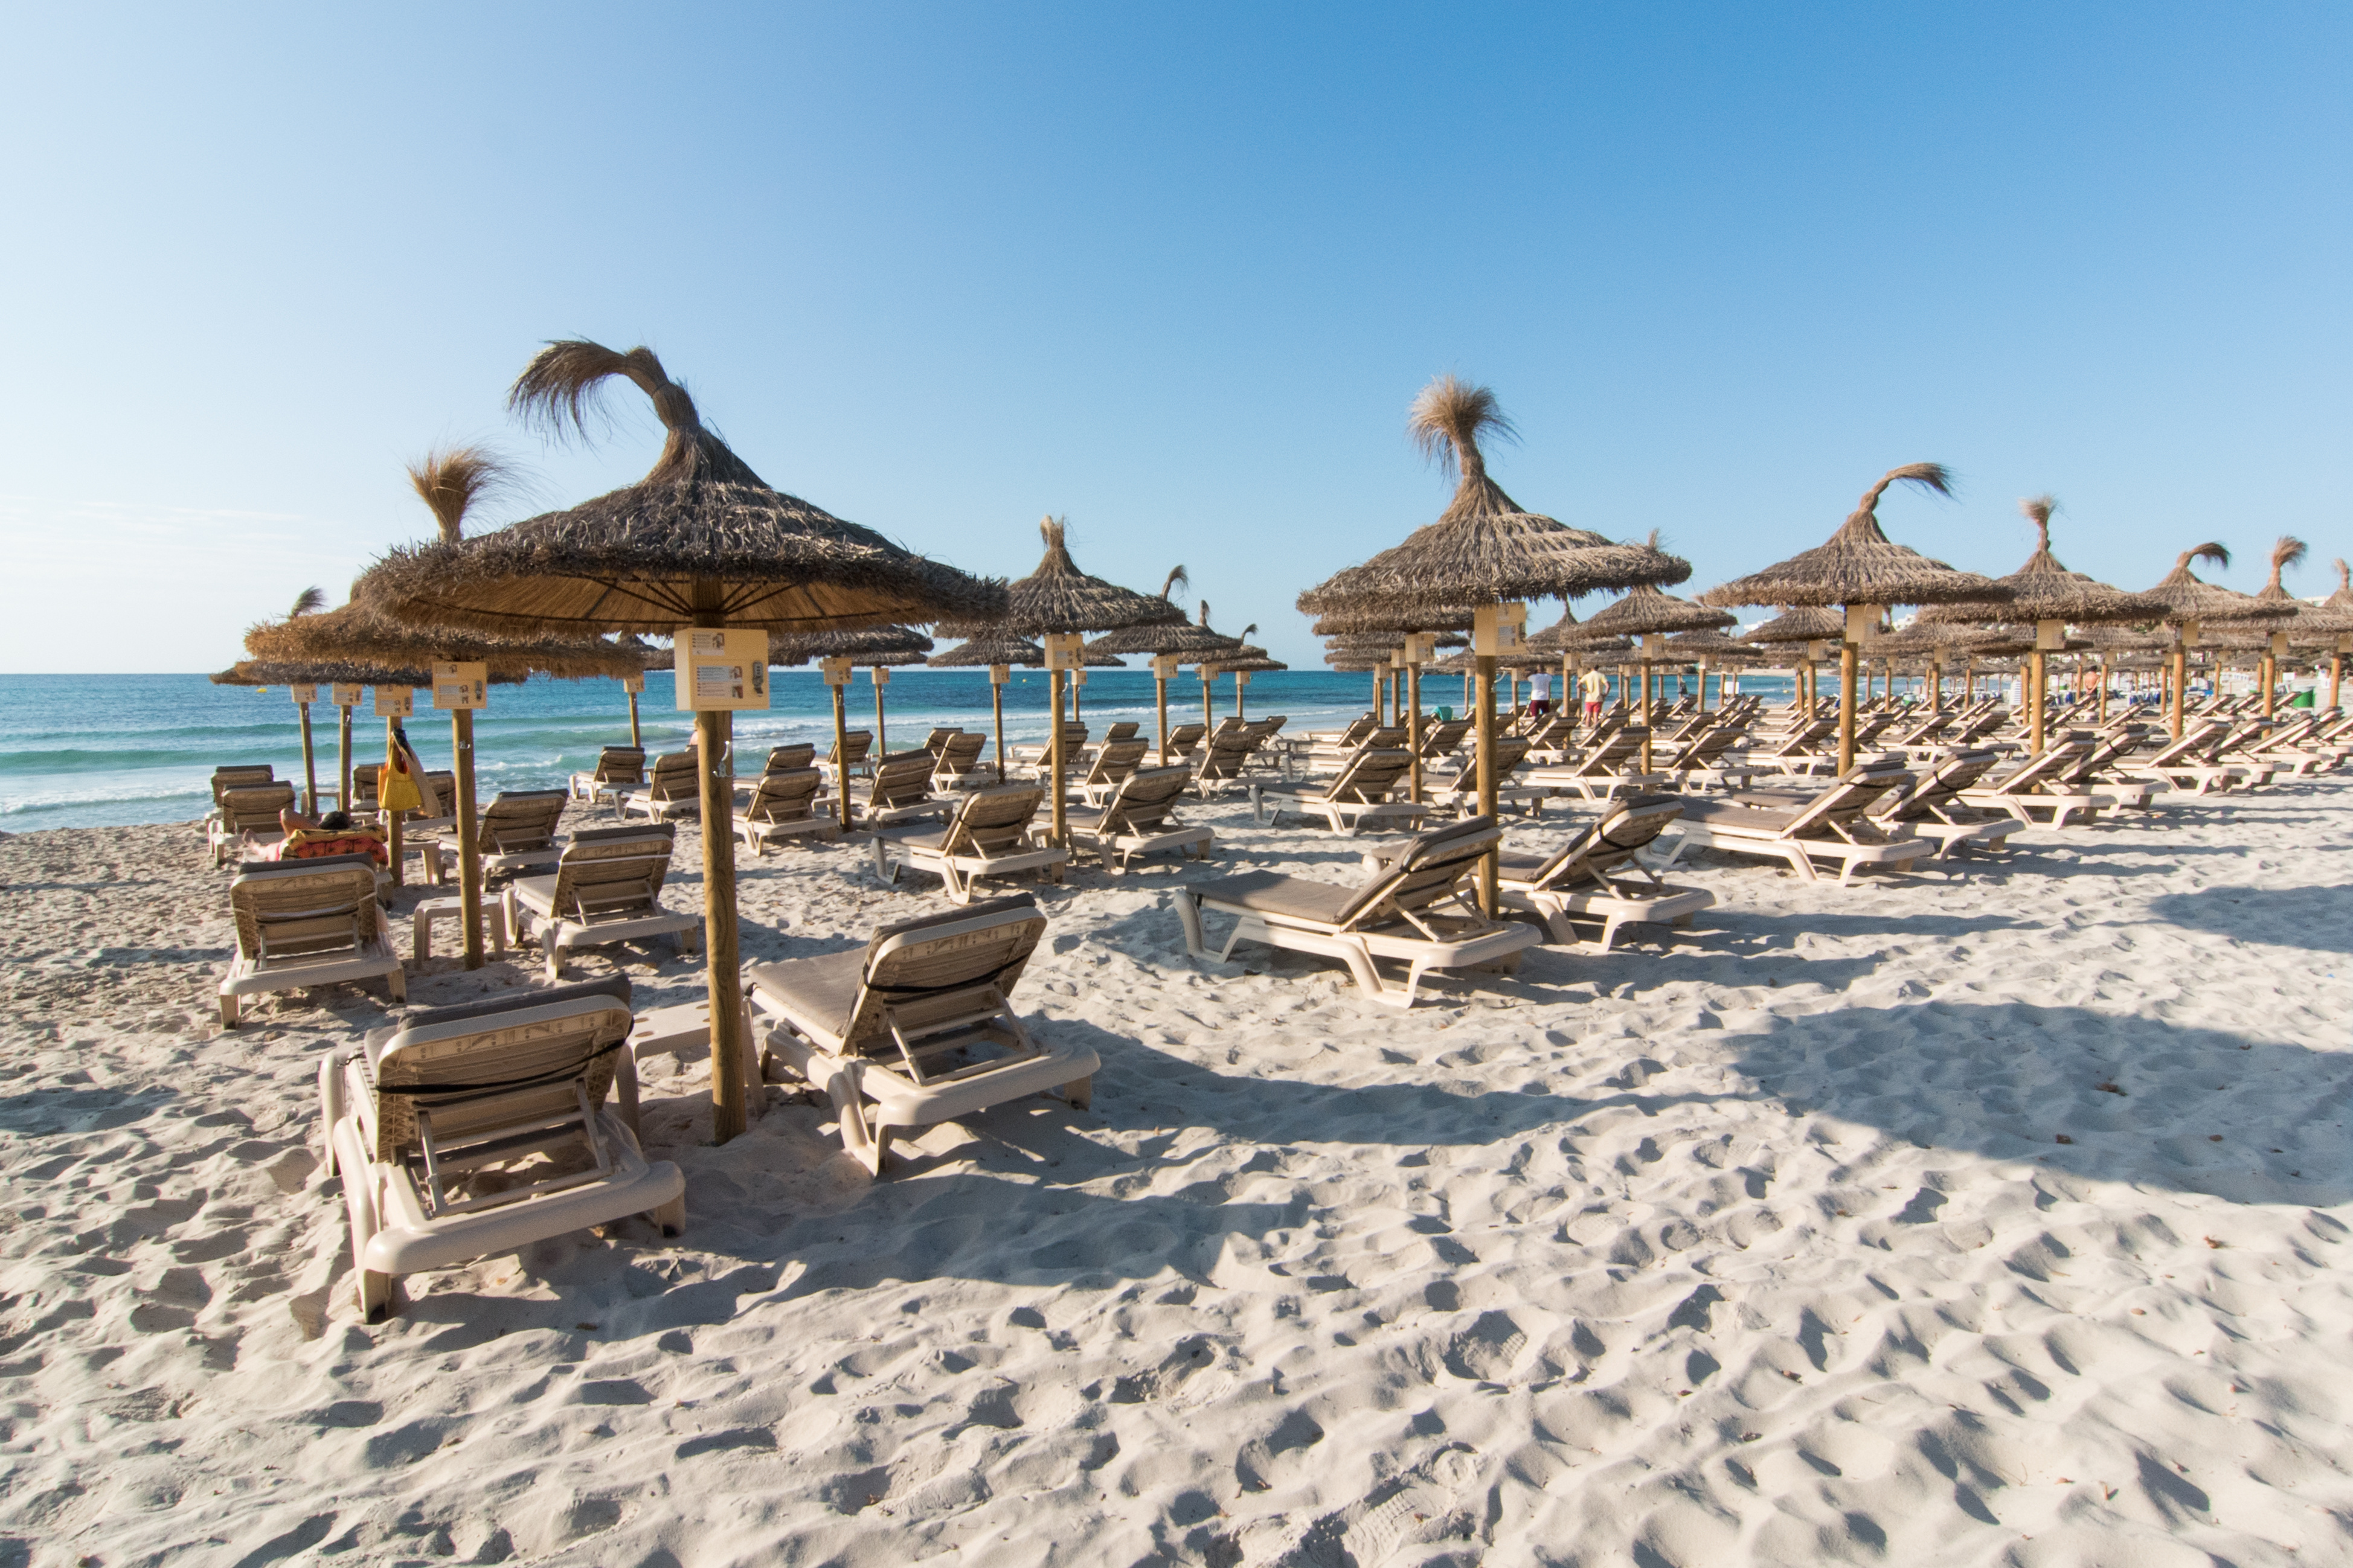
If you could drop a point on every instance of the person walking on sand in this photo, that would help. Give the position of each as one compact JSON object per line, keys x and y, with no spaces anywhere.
{"x":1540,"y":692}
{"x":1596,"y":686}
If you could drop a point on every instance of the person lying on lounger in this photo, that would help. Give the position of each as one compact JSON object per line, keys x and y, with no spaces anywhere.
{"x":334,"y":833}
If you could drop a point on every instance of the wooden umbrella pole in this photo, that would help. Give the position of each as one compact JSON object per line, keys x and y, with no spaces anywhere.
{"x":881,"y":736}
{"x":996,"y":704}
{"x":1054,"y":760}
{"x":1847,"y":655}
{"x":2181,"y":685}
{"x":840,"y":758}
{"x":2104,"y":689}
{"x":1160,"y":701}
{"x":723,"y":965}
{"x":1645,"y":764}
{"x":2038,"y":684}
{"x":392,"y":818}
{"x":2267,"y":667}
{"x":637,"y":737}
{"x":1413,"y":731}
{"x":309,"y":765}
{"x":2336,"y":675}
{"x":1488,"y":864}
{"x":470,"y":850}
{"x":1208,"y":720}
{"x":343,"y":758}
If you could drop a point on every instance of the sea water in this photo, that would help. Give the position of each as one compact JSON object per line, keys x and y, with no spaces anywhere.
{"x":82,"y":751}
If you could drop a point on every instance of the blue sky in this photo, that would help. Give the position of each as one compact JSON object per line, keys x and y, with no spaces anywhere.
{"x":1174,"y":272}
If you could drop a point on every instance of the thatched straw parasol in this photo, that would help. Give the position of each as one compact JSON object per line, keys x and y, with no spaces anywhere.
{"x":2340,"y":602}
{"x":2191,"y":605}
{"x":1171,"y":645}
{"x":2313,"y":626}
{"x":2047,"y":596}
{"x":1241,"y":661}
{"x":1813,"y":628}
{"x":1647,"y":614}
{"x":1862,"y":572}
{"x":701,"y":542}
{"x":872,"y":648}
{"x":310,"y":601}
{"x":1059,"y":601}
{"x":450,"y":481}
{"x":1485,"y":551}
{"x":998,"y":651}
{"x":1711,"y":650}
{"x":329,"y":673}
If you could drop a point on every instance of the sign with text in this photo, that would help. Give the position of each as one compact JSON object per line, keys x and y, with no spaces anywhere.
{"x":2050,"y":636}
{"x":1165,"y":664}
{"x":1420,"y":648}
{"x":460,"y":686}
{"x":633,"y":684}
{"x":395,"y":701}
{"x":1863,"y":623}
{"x":346,"y":696}
{"x":882,"y":676}
{"x":998,"y":674}
{"x":721,"y":669}
{"x":837,"y":671}
{"x":1065,"y":650}
{"x":304,"y":694}
{"x":1497,"y":629}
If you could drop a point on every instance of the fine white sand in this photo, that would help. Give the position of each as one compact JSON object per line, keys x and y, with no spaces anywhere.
{"x":1766,"y":1247}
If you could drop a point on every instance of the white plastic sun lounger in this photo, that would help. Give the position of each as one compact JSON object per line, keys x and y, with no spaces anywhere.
{"x":607,"y":888}
{"x":1397,"y":912}
{"x":248,"y":819}
{"x":1136,"y":820}
{"x":784,"y":806}
{"x":673,"y":789}
{"x":1931,"y":807}
{"x":516,"y":833}
{"x":988,"y":836}
{"x":414,"y":1112}
{"x":1356,"y":796}
{"x":302,"y":924}
{"x":1833,"y":827}
{"x":2041,"y":784}
{"x":916,"y":1027}
{"x":619,"y":768}
{"x":1575,"y":883}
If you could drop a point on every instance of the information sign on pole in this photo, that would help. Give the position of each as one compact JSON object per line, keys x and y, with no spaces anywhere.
{"x":1064,"y":650}
{"x":998,"y":674}
{"x":882,"y":676}
{"x":346,"y":696}
{"x":837,"y":671}
{"x":303,"y":693}
{"x":721,"y":669}
{"x":395,"y":701}
{"x":457,"y":686}
{"x":633,"y":684}
{"x":1496,"y":629}
{"x":1862,"y":621}
{"x":1165,"y":664}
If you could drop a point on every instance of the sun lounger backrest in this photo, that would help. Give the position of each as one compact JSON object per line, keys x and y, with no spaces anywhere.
{"x":2194,"y":739}
{"x":1630,"y":824}
{"x":902,"y":779}
{"x":486,"y":1065}
{"x":850,"y":749}
{"x":300,"y":907}
{"x":790,"y":759}
{"x":960,"y":752}
{"x":784,"y":796}
{"x":1368,"y":775}
{"x":1142,"y":801}
{"x":1426,"y":868}
{"x":1621,"y":745}
{"x":620,"y":765}
{"x":1124,"y":730}
{"x":2050,"y":766}
{"x":226,"y":779}
{"x":1940,"y":786}
{"x":1225,"y":754}
{"x":520,"y":819}
{"x":1117,"y":759}
{"x":935,"y":739}
{"x":1358,"y":728}
{"x":993,"y":821}
{"x":674,"y":778}
{"x":364,"y":781}
{"x":613,"y":872}
{"x":1443,"y":737}
{"x":940,"y":965}
{"x":1850,"y":797}
{"x":254,"y":808}
{"x":1184,"y":738}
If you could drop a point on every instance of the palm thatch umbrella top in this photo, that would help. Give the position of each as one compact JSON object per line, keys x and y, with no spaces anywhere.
{"x":1860,"y":565}
{"x":1646,"y":610}
{"x":990,"y":648}
{"x":1059,"y":598}
{"x":1806,"y":623}
{"x":1371,"y":621}
{"x":2343,"y":598}
{"x":331,"y":672}
{"x":361,"y":632}
{"x":701,"y":539}
{"x":1484,"y":548}
{"x":2318,"y":623}
{"x":2189,"y":599}
{"x":1179,"y":636}
{"x":888,"y":647}
{"x":2043,"y":590}
{"x":1712,"y":645}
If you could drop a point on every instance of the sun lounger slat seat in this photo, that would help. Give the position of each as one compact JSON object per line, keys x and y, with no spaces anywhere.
{"x":1400,"y":911}
{"x":307,"y":923}
{"x":917,"y":1027}
{"x":432,"y":1126}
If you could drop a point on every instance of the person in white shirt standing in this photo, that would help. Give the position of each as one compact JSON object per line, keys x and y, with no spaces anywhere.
{"x":1540,"y":692}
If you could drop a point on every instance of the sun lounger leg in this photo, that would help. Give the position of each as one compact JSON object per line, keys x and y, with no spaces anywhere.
{"x":228,"y":1011}
{"x":625,"y":1090}
{"x":1258,"y":805}
{"x":1188,"y":914}
{"x":396,"y":983}
{"x":1563,"y":932}
{"x":671,"y":1216}
{"x":1797,"y":857}
{"x":1080,"y":1092}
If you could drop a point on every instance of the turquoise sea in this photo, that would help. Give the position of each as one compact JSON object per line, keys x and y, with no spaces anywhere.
{"x":81,"y":750}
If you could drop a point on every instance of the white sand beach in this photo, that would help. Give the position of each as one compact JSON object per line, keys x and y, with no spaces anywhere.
{"x":2000,"y":1214}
